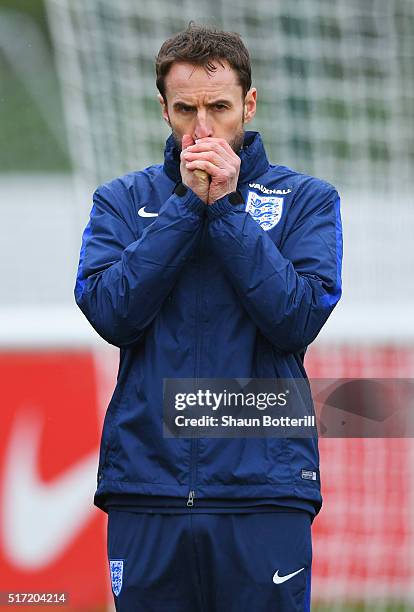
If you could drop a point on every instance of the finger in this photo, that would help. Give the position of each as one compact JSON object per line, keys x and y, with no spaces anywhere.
{"x":210,"y":145}
{"x":210,"y":156}
{"x":204,"y":147}
{"x":216,"y":156}
{"x":208,"y":167}
{"x":186,"y":141}
{"x":214,"y":146}
{"x":215,"y":142}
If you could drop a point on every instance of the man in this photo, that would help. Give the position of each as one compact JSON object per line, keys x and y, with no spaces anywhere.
{"x":215,"y":264}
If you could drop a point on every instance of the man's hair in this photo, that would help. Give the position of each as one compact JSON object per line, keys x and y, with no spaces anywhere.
{"x":202,"y":46}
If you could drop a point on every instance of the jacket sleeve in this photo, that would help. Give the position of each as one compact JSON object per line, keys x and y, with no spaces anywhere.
{"x":289,"y":291}
{"x":122,"y":281}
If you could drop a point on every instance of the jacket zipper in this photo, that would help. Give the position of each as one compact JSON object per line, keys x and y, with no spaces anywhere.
{"x":194,"y":441}
{"x":190,"y":500}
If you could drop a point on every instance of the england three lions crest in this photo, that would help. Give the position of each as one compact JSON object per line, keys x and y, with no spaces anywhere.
{"x":117,"y":570}
{"x":265,"y":210}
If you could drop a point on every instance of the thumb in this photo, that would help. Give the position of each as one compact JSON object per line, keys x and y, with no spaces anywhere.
{"x":187,"y":141}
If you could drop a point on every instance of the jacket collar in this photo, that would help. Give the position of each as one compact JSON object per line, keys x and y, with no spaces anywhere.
{"x":253,"y":157}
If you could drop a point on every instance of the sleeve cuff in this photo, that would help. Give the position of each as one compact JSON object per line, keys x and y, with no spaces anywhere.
{"x":186,"y":197}
{"x":224,"y":206}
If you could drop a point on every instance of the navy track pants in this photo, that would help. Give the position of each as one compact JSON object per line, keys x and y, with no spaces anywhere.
{"x":256,"y":562}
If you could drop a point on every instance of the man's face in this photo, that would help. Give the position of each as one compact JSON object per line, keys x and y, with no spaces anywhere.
{"x":204,"y":104}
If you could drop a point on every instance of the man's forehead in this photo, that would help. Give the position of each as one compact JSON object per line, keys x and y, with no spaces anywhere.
{"x":187,"y":79}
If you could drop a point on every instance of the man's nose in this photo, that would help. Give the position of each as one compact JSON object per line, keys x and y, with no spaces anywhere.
{"x":203,"y":128}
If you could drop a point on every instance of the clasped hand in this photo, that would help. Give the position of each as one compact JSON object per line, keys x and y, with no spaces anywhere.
{"x":215,"y":157}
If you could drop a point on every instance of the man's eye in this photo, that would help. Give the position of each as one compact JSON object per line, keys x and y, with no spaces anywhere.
{"x":186,"y":109}
{"x":220,"y":107}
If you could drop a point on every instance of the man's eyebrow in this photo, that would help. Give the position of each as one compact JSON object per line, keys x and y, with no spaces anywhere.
{"x":179,"y":103}
{"x":221,"y":101}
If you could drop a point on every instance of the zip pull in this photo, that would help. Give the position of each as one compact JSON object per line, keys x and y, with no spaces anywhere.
{"x":190,"y":500}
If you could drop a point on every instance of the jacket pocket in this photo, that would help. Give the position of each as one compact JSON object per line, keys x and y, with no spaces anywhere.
{"x":243,"y":461}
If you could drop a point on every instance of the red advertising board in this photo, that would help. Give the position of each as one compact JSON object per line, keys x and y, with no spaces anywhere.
{"x":51,"y":536}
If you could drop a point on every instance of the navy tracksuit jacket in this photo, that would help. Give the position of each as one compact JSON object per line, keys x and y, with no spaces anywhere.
{"x":226,"y":290}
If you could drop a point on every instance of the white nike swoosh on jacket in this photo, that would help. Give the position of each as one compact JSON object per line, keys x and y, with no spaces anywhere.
{"x":41,"y":519}
{"x":143,"y":213}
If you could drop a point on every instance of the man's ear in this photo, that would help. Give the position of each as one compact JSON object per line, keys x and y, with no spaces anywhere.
{"x":250,"y":104}
{"x":164,"y":108}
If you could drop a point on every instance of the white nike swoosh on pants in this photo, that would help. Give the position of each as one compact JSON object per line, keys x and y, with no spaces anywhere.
{"x":41,"y":519}
{"x":280,"y":579}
